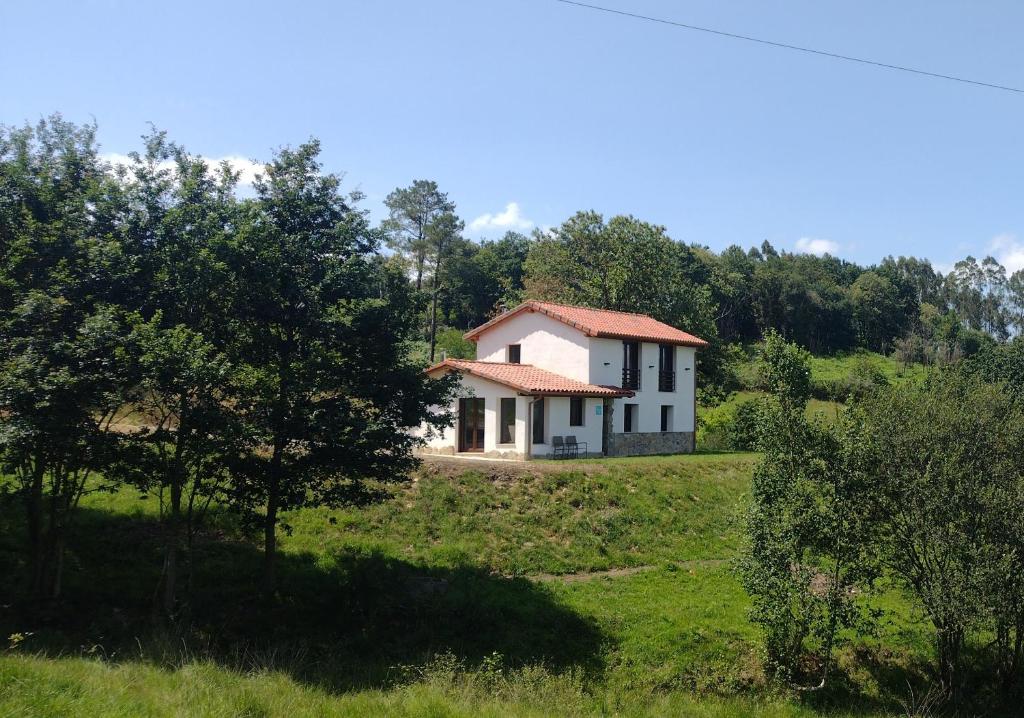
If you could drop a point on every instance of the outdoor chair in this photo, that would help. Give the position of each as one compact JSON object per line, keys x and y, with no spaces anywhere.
{"x":573,"y":447}
{"x":559,"y":449}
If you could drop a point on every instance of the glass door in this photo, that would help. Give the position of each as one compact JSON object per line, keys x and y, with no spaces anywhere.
{"x":471,"y":424}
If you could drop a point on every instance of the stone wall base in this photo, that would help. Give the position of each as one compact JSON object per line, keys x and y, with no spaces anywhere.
{"x":652,"y":442}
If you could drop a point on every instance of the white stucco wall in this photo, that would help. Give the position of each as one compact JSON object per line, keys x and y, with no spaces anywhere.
{"x":606,"y":369}
{"x":557,"y":424}
{"x":544,"y":342}
{"x":491,"y":393}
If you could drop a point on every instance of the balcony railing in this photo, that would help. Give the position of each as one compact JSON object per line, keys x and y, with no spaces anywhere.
{"x":666,"y":381}
{"x":630,"y":378}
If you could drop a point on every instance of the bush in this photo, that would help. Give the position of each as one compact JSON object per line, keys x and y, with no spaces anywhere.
{"x":745,"y":425}
{"x":731,"y":427}
{"x":863,"y":379}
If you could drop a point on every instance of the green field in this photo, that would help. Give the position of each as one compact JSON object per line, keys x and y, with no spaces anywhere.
{"x":471,"y":592}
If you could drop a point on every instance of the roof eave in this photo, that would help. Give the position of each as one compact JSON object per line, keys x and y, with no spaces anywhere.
{"x":697,"y":343}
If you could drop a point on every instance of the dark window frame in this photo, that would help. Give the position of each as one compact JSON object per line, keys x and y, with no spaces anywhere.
{"x":577,"y":410}
{"x":514,"y":353}
{"x":503,"y":424}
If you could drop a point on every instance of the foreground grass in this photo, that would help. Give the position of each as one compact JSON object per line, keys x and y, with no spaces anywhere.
{"x":466,"y":594}
{"x":32,"y":687}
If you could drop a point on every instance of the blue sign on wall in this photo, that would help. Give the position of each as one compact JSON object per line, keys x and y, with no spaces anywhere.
{"x":597,"y":409}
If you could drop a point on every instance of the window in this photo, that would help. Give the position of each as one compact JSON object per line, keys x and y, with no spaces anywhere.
{"x":576,"y":411}
{"x":513,"y":353}
{"x":629,"y":418}
{"x":666,"y":367}
{"x":507,"y":422}
{"x":666,"y":417}
{"x":538,"y":421}
{"x":630,"y":365}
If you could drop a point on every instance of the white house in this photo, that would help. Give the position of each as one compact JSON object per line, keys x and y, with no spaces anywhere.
{"x":620,"y":384}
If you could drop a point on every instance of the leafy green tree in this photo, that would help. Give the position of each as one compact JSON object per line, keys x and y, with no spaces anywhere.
{"x":626,"y":265}
{"x":63,"y":368}
{"x":1015,"y":301}
{"x":443,"y":233}
{"x":322,"y":334}
{"x":878,"y":311}
{"x":180,"y":220}
{"x":785,"y":371}
{"x":948,"y":490}
{"x":807,"y":533}
{"x":411,"y":212}
{"x":503,"y":262}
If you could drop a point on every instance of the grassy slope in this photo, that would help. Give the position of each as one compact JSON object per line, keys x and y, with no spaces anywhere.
{"x":826,"y":368}
{"x":432,"y":573}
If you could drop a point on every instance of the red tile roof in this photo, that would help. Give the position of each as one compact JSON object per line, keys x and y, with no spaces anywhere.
{"x":528,"y":379}
{"x":600,"y":323}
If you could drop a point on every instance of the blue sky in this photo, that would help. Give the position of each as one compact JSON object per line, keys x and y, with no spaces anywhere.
{"x":554,"y":109}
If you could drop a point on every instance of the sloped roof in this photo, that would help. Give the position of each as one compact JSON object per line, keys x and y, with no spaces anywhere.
{"x":528,"y":379}
{"x":600,"y":323}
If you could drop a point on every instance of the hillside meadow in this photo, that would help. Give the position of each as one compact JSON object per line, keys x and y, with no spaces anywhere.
{"x":589,"y":588}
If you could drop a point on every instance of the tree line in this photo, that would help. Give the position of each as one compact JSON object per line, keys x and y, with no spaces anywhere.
{"x":160,"y":332}
{"x":902,"y":306}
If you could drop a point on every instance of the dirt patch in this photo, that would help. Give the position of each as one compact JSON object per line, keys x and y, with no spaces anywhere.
{"x":620,"y":572}
{"x":589,"y":575}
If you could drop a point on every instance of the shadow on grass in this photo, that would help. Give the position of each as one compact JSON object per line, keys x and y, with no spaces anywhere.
{"x":341,"y":622}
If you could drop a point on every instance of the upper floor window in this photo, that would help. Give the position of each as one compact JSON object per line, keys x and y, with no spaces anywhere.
{"x":666,"y":367}
{"x":513,"y":353}
{"x":631,"y":365}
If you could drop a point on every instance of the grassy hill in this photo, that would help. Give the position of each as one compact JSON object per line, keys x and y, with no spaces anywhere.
{"x":598,"y":587}
{"x":833,"y":378}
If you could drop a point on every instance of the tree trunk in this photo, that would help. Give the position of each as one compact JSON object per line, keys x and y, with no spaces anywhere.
{"x":172,"y":549}
{"x":270,"y":546}
{"x":433,"y":313}
{"x":34,"y":508}
{"x":270,"y":523}
{"x":950,"y":642}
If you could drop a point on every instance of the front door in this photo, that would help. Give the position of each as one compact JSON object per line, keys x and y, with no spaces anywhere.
{"x":471,"y":424}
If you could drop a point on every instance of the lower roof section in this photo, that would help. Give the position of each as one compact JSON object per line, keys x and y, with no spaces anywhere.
{"x":528,"y":379}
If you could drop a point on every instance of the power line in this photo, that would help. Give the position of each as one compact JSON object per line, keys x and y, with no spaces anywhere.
{"x":786,"y":46}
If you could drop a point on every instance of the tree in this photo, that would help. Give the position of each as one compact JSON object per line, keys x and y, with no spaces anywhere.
{"x":178,"y":227}
{"x":63,"y":369}
{"x":626,"y":265}
{"x":328,"y":389}
{"x":948,"y":491}
{"x":443,"y":232}
{"x":411,"y":212}
{"x":807,"y":533}
{"x":878,"y":311}
{"x":1015,"y":301}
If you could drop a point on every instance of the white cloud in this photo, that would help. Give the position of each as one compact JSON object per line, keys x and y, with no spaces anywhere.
{"x":1008,"y":251}
{"x":511,"y":218}
{"x":811,"y":245}
{"x":247,"y":168}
